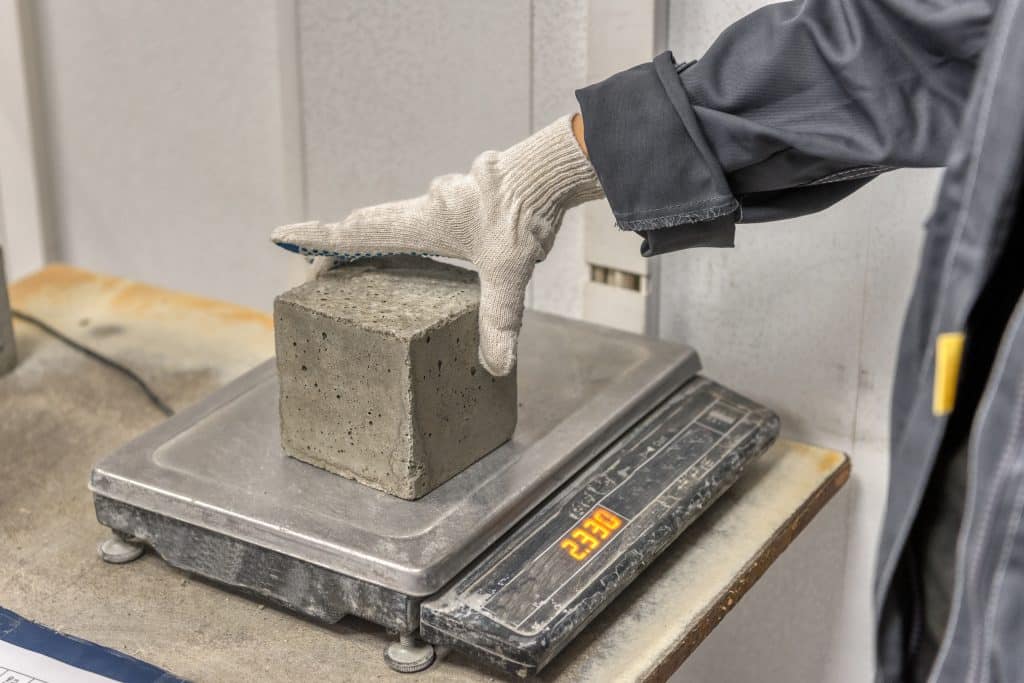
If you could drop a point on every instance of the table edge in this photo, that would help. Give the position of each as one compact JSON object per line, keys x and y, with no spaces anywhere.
{"x":752,"y":571}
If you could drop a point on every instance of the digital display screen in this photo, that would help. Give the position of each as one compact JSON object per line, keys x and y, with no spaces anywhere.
{"x":558,"y":559}
{"x":556,"y":563}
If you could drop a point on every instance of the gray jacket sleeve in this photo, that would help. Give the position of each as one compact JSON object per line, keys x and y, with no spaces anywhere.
{"x":791,"y":109}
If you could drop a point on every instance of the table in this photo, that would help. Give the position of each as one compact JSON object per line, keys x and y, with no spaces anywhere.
{"x":62,"y":412}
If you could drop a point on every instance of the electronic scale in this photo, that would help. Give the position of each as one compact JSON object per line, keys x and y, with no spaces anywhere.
{"x":620,"y":445}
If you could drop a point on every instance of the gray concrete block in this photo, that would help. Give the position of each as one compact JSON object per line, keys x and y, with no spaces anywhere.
{"x":8,"y":352}
{"x":379,"y":375}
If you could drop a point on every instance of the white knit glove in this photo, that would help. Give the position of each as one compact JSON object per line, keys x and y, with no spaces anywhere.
{"x":502,"y":217}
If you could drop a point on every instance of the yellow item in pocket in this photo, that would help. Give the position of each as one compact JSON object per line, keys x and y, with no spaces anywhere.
{"x":949,"y":351}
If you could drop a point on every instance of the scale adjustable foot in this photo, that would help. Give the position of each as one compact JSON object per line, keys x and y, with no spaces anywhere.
{"x":409,"y":654}
{"x":120,"y":550}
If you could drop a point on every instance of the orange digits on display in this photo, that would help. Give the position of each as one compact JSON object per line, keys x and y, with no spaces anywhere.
{"x":591,"y":525}
{"x":606,"y":518}
{"x":591,"y":533}
{"x":574,"y":550}
{"x":585,"y":538}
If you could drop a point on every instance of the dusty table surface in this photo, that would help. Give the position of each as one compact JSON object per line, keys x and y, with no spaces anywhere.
{"x":62,"y":412}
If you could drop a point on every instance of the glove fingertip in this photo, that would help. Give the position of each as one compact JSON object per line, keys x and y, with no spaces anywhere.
{"x":295,"y":232}
{"x":498,"y":363}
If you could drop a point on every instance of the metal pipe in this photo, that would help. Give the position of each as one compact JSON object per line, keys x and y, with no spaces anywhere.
{"x":8,"y":353}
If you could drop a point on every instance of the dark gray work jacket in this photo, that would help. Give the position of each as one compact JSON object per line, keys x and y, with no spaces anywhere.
{"x":795,"y":107}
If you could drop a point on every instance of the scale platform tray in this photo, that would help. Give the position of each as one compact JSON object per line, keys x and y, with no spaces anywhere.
{"x":212,"y":492}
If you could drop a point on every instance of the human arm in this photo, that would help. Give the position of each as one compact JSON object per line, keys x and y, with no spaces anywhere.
{"x":792,"y":108}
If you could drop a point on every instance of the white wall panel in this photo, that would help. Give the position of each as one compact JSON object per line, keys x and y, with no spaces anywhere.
{"x":559,"y":68}
{"x":27,"y":237}
{"x":792,"y":603}
{"x":399,"y":91}
{"x":166,"y":140}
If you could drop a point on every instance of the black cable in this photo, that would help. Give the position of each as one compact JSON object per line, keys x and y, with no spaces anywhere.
{"x":154,"y":399}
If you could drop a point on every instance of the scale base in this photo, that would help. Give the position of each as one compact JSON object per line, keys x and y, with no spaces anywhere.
{"x":521,"y":602}
{"x":118,"y":550}
{"x":318,"y":593}
{"x":409,"y":655}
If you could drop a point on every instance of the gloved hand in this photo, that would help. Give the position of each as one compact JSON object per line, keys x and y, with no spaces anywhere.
{"x":502,"y":217}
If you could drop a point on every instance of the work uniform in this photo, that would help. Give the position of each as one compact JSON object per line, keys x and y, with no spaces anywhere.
{"x":795,"y":107}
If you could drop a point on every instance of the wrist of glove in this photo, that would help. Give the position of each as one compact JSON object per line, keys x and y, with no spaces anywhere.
{"x":502,"y":217}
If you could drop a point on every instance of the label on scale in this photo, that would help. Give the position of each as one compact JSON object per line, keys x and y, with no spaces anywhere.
{"x":529,"y":596}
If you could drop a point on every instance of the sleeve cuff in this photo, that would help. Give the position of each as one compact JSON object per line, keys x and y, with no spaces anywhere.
{"x":718,"y":232}
{"x":651,"y":157}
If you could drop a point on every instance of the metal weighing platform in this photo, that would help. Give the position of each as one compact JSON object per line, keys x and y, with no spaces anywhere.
{"x":620,"y":445}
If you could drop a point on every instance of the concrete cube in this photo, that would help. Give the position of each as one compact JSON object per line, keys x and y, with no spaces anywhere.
{"x":379,"y":375}
{"x":8,"y":353}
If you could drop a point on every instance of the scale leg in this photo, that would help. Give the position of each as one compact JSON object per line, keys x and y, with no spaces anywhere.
{"x":120,"y":549}
{"x":409,"y":654}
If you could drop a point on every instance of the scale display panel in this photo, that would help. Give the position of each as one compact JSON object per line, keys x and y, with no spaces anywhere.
{"x":533,"y":592}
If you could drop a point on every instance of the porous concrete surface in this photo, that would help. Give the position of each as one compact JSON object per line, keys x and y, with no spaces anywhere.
{"x":379,"y":375}
{"x":8,"y":352}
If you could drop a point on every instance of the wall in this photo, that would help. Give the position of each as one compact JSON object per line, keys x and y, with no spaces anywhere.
{"x":165,"y":140}
{"x":398,"y":92}
{"x":181,"y":134}
{"x":804,"y":316}
{"x":22,"y":157}
{"x":559,"y":66}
